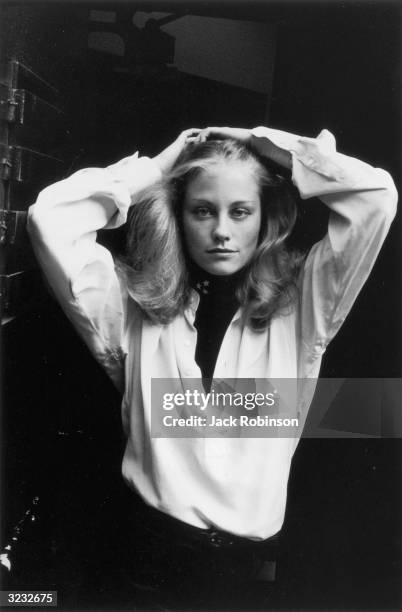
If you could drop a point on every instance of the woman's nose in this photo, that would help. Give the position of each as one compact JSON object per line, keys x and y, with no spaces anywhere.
{"x":221,"y":231}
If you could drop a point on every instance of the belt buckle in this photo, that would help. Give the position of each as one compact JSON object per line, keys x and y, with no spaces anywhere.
{"x":217,"y":540}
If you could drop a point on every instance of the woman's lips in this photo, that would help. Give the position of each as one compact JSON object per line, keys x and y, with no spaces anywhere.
{"x":222,"y":254}
{"x":220,"y":251}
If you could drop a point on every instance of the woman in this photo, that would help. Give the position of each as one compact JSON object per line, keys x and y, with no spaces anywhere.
{"x":209,"y":222}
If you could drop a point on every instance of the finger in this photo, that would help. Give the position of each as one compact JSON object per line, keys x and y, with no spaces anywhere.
{"x":203,"y":135}
{"x":186,"y":135}
{"x":192,"y":139}
{"x":212,"y":132}
{"x":191,"y":132}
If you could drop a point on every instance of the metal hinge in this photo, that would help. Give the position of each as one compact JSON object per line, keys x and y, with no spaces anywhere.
{"x":20,"y":163}
{"x":6,"y":163}
{"x":20,"y":106}
{"x":10,"y":104}
{"x":12,"y":226}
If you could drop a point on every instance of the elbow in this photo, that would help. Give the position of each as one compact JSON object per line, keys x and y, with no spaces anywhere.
{"x":393,"y":202}
{"x":36,"y":224}
{"x":389,"y":200}
{"x":33,"y":221}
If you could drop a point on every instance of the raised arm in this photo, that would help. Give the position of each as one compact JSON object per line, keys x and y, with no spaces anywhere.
{"x":362,"y":202}
{"x":63,"y":225}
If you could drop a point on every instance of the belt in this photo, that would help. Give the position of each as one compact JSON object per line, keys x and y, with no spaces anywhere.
{"x":169,"y":528}
{"x":162,"y":536}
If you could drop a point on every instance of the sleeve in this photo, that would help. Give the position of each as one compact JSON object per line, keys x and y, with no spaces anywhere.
{"x":362,"y":202}
{"x":63,"y":225}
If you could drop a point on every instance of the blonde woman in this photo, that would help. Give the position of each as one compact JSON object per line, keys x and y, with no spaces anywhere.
{"x":209,"y":289}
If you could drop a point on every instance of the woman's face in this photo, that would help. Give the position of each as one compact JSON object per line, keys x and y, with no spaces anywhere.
{"x":222,"y":217}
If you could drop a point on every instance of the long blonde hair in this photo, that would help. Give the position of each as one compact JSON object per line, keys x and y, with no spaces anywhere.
{"x":155,"y":265}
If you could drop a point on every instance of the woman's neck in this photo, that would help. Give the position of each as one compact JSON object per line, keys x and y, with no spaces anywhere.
{"x":212,"y":284}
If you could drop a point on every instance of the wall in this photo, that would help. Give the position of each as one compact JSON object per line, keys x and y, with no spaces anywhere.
{"x":239,"y":53}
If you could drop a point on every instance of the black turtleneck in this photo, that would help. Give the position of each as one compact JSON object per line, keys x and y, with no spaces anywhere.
{"x":218,"y":304}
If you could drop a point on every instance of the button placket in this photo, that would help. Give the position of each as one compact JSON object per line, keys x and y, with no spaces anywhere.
{"x":190,"y":368}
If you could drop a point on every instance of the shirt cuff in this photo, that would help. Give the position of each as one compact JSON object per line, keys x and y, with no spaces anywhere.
{"x":283,"y":140}
{"x":317,"y":168}
{"x":137,"y":173}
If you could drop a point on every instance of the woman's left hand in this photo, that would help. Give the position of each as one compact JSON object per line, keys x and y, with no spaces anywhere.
{"x":271,"y":151}
{"x":220,"y":133}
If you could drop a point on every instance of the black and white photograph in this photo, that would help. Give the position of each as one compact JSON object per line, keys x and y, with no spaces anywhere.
{"x":201,"y":305}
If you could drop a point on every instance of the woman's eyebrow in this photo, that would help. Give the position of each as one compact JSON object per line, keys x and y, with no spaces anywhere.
{"x":240,"y":202}
{"x":235,"y":203}
{"x":204,"y":200}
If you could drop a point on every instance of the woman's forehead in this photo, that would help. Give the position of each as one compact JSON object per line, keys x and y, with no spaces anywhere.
{"x":230,"y":177}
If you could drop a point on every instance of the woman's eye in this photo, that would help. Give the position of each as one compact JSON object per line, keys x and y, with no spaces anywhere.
{"x":240,"y":213}
{"x":202,"y":211}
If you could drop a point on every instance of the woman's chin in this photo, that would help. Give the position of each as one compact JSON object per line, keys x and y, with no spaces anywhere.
{"x":221,"y":268}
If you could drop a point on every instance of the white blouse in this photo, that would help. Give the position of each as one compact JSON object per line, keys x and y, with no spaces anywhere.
{"x":235,"y":484}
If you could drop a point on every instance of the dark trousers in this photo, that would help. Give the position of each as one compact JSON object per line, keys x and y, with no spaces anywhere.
{"x":151,"y":561}
{"x":179,"y":575}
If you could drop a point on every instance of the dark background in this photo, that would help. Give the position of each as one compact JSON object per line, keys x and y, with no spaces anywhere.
{"x":337,"y":65}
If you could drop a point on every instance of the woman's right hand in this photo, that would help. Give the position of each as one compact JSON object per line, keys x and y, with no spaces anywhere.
{"x":221,"y":133}
{"x":167,"y":158}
